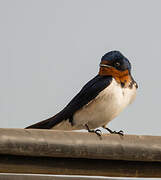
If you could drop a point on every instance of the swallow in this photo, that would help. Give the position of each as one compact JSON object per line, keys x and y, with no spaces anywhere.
{"x":100,"y":100}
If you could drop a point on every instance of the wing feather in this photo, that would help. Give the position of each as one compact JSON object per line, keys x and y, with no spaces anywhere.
{"x":87,"y":93}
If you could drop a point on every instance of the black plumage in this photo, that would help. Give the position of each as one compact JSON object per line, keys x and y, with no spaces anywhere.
{"x":87,"y":93}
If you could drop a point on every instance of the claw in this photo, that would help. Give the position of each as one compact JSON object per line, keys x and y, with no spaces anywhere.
{"x":97,"y":131}
{"x":114,"y":132}
{"x":119,"y":132}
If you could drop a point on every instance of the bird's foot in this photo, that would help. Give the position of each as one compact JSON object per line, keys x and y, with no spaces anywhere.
{"x":97,"y":131}
{"x":114,"y":132}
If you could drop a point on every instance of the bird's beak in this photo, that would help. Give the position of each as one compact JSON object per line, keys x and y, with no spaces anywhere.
{"x":105,"y":65}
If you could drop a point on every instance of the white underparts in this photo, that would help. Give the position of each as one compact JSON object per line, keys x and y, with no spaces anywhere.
{"x":101,"y":110}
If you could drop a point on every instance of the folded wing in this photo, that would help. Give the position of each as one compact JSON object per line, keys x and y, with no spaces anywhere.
{"x":87,"y":93}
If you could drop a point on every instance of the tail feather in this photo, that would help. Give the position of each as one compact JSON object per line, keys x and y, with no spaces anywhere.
{"x":46,"y":124}
{"x":40,"y":125}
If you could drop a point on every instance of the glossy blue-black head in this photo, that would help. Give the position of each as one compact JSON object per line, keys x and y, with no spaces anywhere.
{"x":117,"y":60}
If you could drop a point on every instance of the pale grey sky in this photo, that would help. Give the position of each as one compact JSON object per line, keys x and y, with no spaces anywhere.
{"x":51,"y":48}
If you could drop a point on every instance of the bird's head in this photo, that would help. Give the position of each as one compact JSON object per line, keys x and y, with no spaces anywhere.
{"x":116,"y":65}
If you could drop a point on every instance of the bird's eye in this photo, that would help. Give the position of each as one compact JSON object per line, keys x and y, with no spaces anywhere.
{"x":117,"y":64}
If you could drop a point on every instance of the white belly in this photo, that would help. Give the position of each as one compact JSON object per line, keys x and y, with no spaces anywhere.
{"x":106,"y":106}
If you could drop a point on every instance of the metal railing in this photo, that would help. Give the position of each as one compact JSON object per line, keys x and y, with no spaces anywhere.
{"x":76,"y":153}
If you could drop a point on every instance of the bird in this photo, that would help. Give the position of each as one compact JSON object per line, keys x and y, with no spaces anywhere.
{"x":99,"y":101}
